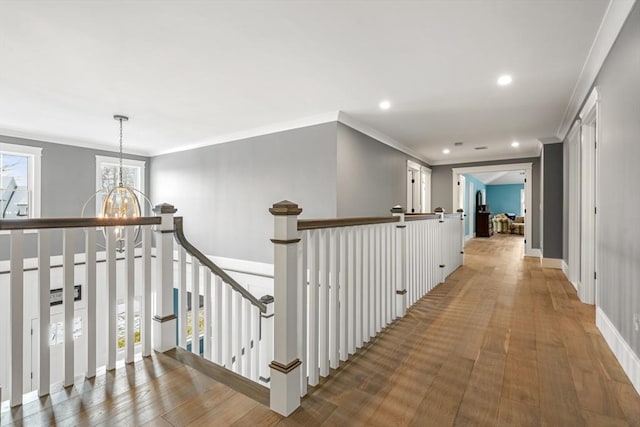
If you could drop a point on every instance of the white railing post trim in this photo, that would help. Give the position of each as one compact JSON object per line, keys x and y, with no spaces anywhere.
{"x":285,"y":367}
{"x":164,"y":320}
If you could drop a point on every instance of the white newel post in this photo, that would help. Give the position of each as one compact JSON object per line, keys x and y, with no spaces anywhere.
{"x":461,"y":212}
{"x":401,"y":261}
{"x":441,"y":236}
{"x":164,"y":320}
{"x":285,"y":367}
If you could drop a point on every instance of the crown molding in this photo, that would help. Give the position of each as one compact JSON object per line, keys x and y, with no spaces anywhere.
{"x":526,"y":155}
{"x":550,"y":140}
{"x":259,"y":131}
{"x":347,"y":120}
{"x":610,"y":27}
{"x":52,"y":139}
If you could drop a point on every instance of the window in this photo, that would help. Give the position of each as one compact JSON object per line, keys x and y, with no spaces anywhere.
{"x":107,"y":177}
{"x":19,"y":181}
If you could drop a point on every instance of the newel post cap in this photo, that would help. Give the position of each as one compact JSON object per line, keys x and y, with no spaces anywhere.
{"x":285,"y":207}
{"x":165,"y":208}
{"x":398,"y":209}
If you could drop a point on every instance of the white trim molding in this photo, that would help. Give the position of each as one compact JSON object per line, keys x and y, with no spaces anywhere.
{"x":556,"y":263}
{"x":347,"y":120}
{"x":610,"y":27}
{"x":535,"y":253}
{"x":528,"y":168}
{"x":628,"y":359}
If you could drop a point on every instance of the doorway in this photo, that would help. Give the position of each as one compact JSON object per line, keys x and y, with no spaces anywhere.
{"x":527,"y":168}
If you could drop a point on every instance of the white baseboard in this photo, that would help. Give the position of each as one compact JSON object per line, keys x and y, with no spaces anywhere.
{"x":467,"y":238}
{"x":628,"y":359}
{"x":565,"y":269}
{"x":535,"y":253}
{"x":551,"y":263}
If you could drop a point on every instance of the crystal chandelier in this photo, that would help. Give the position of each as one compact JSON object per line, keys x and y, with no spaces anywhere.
{"x":121,"y":201}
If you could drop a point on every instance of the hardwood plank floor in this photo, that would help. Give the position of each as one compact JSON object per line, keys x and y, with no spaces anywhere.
{"x":502,"y":342}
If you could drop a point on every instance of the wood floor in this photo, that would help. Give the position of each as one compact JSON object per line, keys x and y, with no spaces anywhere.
{"x":502,"y":342}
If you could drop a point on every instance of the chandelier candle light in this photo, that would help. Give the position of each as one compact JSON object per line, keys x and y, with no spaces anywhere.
{"x":121,"y":201}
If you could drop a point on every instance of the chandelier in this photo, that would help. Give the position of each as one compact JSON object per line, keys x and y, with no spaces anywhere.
{"x":121,"y":201}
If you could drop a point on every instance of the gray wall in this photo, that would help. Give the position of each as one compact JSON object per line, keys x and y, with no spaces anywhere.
{"x":442,"y":190}
{"x":618,"y":199}
{"x":372,"y":176}
{"x":552,"y":193}
{"x":68,"y":176}
{"x":224,"y":191}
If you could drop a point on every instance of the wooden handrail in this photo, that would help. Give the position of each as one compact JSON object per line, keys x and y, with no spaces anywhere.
{"x":178,"y":232}
{"x":312,"y":224}
{"x":420,"y":216}
{"x":44,"y":223}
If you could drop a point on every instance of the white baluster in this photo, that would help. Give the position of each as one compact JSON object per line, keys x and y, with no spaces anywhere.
{"x":182,"y":297}
{"x":16,"y":286}
{"x":314,"y":260}
{"x":90,"y":290}
{"x":372,"y":281}
{"x":255,"y":342}
{"x":227,"y":340}
{"x":218,"y":336}
{"x":195,"y":305}
{"x":351,"y":283}
{"x":358,"y":291}
{"x":129,"y":272}
{"x":266,"y":339}
{"x":323,"y":313}
{"x":237,"y":331}
{"x":334,"y":311}
{"x":68,"y":300}
{"x":343,"y":295}
{"x":146,"y":295}
{"x":112,"y":339}
{"x":207,"y":315}
{"x":366,"y":285}
{"x":44,"y":282}
{"x":303,"y":280}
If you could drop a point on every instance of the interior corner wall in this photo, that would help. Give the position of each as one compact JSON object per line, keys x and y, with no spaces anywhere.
{"x":68,"y":179}
{"x":224,"y":191}
{"x":442,"y":189}
{"x":372,"y":176}
{"x":552,"y":203}
{"x":618,"y":201}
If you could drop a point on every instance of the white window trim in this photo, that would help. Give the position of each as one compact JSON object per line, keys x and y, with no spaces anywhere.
{"x":35,"y":173}
{"x":100,"y":160}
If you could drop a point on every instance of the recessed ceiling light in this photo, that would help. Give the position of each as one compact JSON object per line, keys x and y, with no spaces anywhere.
{"x":446,"y":151}
{"x":515,"y":144}
{"x":384,"y":105}
{"x":504,"y":80}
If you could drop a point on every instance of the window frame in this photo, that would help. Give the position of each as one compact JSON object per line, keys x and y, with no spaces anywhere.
{"x":34,"y":173}
{"x":128,"y":163}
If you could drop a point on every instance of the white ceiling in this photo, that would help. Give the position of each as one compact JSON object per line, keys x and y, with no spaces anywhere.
{"x":500,"y":178}
{"x":191,"y":73}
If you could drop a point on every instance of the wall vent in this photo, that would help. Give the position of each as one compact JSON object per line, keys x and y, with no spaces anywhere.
{"x":484,"y":147}
{"x":458,"y":144}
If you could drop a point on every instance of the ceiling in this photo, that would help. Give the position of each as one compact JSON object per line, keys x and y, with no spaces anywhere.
{"x":500,"y":178}
{"x":192,"y":73}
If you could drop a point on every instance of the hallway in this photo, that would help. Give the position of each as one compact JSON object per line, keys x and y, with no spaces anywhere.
{"x":502,"y":342}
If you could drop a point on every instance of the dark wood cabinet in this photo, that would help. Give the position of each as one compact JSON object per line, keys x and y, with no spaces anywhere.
{"x":483,"y":224}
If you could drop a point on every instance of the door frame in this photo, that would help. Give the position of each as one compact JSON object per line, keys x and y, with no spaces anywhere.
{"x":589,"y":137}
{"x":527,"y":167}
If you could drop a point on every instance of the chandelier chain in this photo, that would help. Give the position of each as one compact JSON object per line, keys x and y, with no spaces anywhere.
{"x":120,"y":171}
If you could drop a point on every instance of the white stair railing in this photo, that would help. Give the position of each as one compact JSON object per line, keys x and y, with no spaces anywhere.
{"x":339,"y":282}
{"x":236,"y":326}
{"x":58,"y":352}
